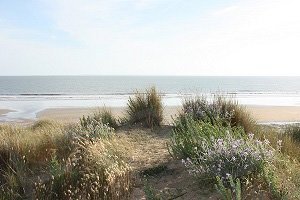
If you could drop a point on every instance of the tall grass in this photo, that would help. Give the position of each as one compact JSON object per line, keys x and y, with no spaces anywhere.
{"x":145,"y":108}
{"x":96,"y":169}
{"x":71,"y":162}
{"x":288,"y":145}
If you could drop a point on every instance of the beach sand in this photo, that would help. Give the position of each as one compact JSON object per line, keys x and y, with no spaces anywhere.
{"x":262,"y":114}
{"x":265,"y":114}
{"x":73,"y":114}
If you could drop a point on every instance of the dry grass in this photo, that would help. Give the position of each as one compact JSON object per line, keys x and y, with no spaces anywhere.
{"x":289,"y":147}
{"x":46,"y":160}
{"x":146,"y":148}
{"x":36,"y":143}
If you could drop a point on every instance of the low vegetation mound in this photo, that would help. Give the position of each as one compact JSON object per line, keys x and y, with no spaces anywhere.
{"x":218,"y":109}
{"x":103,"y":116}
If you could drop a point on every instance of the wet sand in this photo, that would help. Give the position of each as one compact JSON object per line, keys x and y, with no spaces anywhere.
{"x":4,"y":111}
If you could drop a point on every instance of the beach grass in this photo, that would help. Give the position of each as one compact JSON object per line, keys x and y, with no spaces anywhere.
{"x":145,"y":108}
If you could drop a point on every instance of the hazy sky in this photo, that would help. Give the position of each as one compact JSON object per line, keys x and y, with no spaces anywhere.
{"x":150,"y":37}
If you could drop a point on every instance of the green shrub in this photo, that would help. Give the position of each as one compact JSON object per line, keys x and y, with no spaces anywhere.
{"x":187,"y":138}
{"x":219,"y":109}
{"x":229,"y":156}
{"x":101,"y":116}
{"x":145,"y":108}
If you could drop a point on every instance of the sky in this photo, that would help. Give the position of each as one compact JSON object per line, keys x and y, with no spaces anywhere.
{"x":150,"y":37}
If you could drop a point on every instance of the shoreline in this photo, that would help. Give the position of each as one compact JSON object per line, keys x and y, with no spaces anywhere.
{"x":261,"y":113}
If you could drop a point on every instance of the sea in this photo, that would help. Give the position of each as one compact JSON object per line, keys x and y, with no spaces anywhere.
{"x":28,"y":95}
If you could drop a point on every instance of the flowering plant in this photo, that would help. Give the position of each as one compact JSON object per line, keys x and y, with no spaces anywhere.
{"x":229,"y":156}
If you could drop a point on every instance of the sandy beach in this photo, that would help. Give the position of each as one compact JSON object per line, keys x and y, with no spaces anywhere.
{"x":263,"y":114}
{"x":73,"y":114}
{"x":266,"y":114}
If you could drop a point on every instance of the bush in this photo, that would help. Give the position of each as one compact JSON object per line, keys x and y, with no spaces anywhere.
{"x":101,"y":116}
{"x":145,"y":108}
{"x":220,"y":109}
{"x":188,"y":137}
{"x":229,"y":156}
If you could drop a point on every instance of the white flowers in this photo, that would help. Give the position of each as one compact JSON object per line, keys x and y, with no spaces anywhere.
{"x":222,"y":156}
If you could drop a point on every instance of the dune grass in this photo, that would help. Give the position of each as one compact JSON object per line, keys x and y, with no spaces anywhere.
{"x":52,"y":161}
{"x":145,"y":108}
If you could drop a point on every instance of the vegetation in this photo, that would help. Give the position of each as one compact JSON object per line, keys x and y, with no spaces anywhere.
{"x":145,"y":108}
{"x":104,"y":116}
{"x":293,"y":131}
{"x":97,"y":158}
{"x":233,"y":192}
{"x":220,"y":109}
{"x":188,"y":138}
{"x":62,"y":163}
{"x":212,"y":139}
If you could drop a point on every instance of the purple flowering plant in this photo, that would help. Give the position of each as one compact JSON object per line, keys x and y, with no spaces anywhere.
{"x":229,"y":156}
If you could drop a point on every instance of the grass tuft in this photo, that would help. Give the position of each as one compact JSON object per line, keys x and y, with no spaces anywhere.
{"x":145,"y":108}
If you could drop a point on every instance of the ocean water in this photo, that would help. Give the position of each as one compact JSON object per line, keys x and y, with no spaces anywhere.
{"x":31,"y":94}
